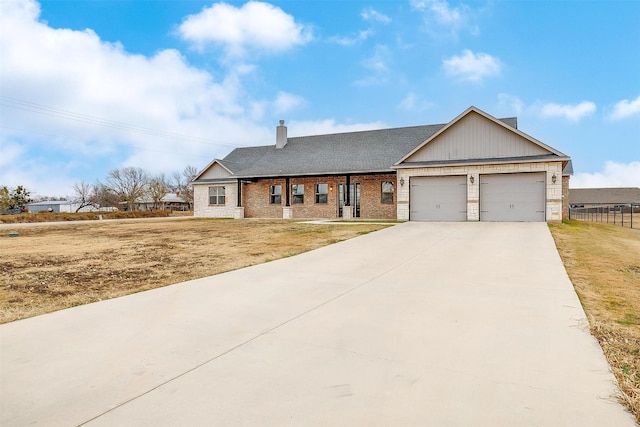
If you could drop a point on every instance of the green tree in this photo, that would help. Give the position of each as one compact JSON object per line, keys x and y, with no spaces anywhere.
{"x":19,"y":198}
{"x":5,"y":200}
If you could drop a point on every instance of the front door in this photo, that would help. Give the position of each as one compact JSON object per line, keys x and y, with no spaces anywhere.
{"x":355,"y":198}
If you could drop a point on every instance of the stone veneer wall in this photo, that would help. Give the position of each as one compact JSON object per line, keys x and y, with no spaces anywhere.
{"x":565,"y":197}
{"x":256,"y":197}
{"x":202,"y":208}
{"x":554,"y":198}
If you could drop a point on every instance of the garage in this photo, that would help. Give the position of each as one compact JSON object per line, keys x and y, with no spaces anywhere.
{"x":512,"y":197}
{"x":438,"y":198}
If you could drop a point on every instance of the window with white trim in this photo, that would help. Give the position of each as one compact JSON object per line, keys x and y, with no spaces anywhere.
{"x":275,"y":194}
{"x":322,"y":193}
{"x":217,"y":195}
{"x":297,"y":193}
{"x":387,"y":192}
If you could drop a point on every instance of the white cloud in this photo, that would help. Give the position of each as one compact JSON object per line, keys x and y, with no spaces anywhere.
{"x":510,"y":104}
{"x":471,"y":66}
{"x":444,"y":13}
{"x":570,"y":112}
{"x":625,"y":109}
{"x":286,"y":102}
{"x":370,"y":14}
{"x":412,"y":102}
{"x":328,"y":126}
{"x":440,"y":15}
{"x":352,"y":40}
{"x":253,"y":26}
{"x":613,"y":175}
{"x":378,"y":67}
{"x":93,"y":91}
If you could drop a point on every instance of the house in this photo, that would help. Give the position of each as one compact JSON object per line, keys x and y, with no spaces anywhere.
{"x":64,"y":206}
{"x":170,"y":201}
{"x":474,"y":168}
{"x":603,"y":197}
{"x":55,"y":206}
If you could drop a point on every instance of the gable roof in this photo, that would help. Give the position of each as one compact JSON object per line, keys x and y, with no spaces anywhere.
{"x":538,"y":149}
{"x":353,"y":152}
{"x":372,"y":151}
{"x":586,"y":196}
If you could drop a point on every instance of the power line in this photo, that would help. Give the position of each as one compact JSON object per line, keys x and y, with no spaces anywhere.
{"x":139,"y":147}
{"x":33,"y":107}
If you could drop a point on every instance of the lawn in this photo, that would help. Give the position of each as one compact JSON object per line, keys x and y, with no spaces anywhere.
{"x":50,"y":267}
{"x":603,"y":262}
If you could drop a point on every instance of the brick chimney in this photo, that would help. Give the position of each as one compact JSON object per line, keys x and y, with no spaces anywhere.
{"x":281,"y":135}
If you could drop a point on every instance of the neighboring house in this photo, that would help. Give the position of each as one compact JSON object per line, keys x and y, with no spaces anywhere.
{"x":174,"y":202}
{"x":474,"y":168}
{"x":171,"y":201}
{"x":597,"y":197}
{"x":56,"y":206}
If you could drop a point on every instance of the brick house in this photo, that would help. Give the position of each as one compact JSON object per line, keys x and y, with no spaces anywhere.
{"x":474,"y":168}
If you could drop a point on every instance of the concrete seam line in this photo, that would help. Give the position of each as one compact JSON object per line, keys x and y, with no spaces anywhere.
{"x":242,"y":344}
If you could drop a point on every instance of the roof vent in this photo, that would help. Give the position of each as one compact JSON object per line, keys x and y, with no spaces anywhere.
{"x":281,"y":135}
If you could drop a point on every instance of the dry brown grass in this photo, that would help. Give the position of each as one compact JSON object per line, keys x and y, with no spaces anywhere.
{"x":51,"y":267}
{"x":81,"y":216}
{"x":603,"y":262}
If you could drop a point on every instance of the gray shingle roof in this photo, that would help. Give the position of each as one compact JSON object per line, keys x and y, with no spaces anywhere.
{"x":352,"y":152}
{"x":365,"y":151}
{"x":587,"y":196}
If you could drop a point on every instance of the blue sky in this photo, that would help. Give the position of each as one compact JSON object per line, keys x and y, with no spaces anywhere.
{"x":88,"y":86}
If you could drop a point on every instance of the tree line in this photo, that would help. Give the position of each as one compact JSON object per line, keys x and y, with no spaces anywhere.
{"x":122,"y":185}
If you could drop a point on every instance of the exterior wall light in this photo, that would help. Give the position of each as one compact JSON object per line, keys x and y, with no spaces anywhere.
{"x":472,"y":179}
{"x":554,"y":178}
{"x":401,"y":182}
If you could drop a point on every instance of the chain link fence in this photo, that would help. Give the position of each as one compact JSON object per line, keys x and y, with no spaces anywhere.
{"x":625,"y":215}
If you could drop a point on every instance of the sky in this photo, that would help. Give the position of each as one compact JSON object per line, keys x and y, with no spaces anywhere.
{"x":89,"y":86}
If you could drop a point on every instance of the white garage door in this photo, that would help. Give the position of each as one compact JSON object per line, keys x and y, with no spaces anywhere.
{"x":438,"y":198}
{"x":512,"y":197}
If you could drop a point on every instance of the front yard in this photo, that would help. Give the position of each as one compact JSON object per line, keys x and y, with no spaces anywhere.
{"x":51,"y":267}
{"x":603,"y":262}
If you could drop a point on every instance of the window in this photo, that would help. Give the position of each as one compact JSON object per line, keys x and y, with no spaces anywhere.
{"x":216,"y":195}
{"x":297,"y":190}
{"x":322,"y":193}
{"x":387,"y":192}
{"x":275,"y":194}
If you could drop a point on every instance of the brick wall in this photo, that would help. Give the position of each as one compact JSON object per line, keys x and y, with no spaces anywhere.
{"x":256,"y":197}
{"x":371,"y":206}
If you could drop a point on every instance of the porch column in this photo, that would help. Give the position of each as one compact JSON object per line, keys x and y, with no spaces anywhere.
{"x":287,"y":210}
{"x":347,"y":201}
{"x":239,"y":211}
{"x":286,"y":189}
{"x":347,"y":209}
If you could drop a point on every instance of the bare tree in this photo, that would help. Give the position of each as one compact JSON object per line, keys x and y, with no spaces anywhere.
{"x":182,"y":183}
{"x":85,"y":194}
{"x":105,"y":197}
{"x":158,"y":188}
{"x":129,"y":183}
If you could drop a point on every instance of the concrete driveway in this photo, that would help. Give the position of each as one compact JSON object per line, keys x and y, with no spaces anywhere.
{"x":447,"y":324}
